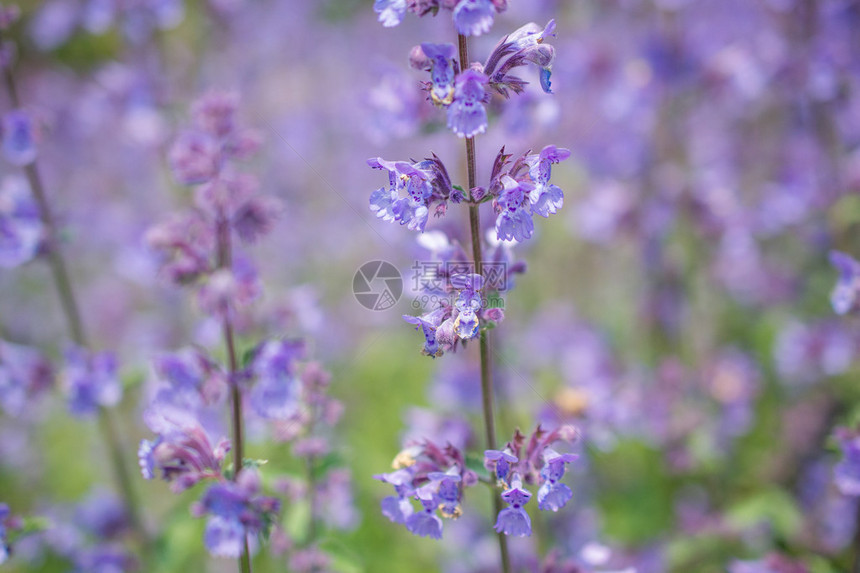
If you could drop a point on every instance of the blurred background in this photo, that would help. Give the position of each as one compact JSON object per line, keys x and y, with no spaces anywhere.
{"x":676,"y":310}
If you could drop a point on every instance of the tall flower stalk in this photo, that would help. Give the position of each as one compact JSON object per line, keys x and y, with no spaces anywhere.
{"x":487,"y":401}
{"x":20,"y":148}
{"x":468,"y":291}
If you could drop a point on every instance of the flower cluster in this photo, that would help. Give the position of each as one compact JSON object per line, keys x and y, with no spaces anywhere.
{"x":436,"y":478}
{"x":471,"y":17}
{"x":448,"y":325}
{"x":463,"y":93}
{"x":519,"y":189}
{"x":227,"y":201}
{"x":532,"y":460}
{"x":424,"y":185}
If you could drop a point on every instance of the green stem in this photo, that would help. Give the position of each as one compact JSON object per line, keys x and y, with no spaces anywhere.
{"x":484,"y":340}
{"x":71,"y":311}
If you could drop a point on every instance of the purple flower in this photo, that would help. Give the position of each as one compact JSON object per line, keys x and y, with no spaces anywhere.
{"x":474,"y":17}
{"x":21,"y":230}
{"x":468,"y":303}
{"x":440,"y":59}
{"x":91,"y":381}
{"x":847,"y":471}
{"x":104,"y":559}
{"x":445,"y":487}
{"x":499,"y":462}
{"x":24,"y":374}
{"x":425,"y":523}
{"x":545,"y":198}
{"x":4,"y":544}
{"x":513,"y":520}
{"x":553,"y":495}
{"x":514,"y":221}
{"x":844,"y":295}
{"x":194,"y":158}
{"x":466,"y":114}
{"x":235,"y":511}
{"x":428,"y":328}
{"x":103,"y":515}
{"x":19,"y":137}
{"x":391,"y":12}
{"x":423,"y":184}
{"x":275,"y":394}
{"x":523,"y":46}
{"x":182,"y":453}
{"x":398,"y":508}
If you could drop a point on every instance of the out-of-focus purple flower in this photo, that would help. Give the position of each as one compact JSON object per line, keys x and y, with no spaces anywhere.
{"x":194,"y":158}
{"x":24,"y":374}
{"x":391,"y":12}
{"x":227,"y":290}
{"x":774,"y":563}
{"x":474,"y":17}
{"x":806,"y":352}
{"x":309,"y":560}
{"x":185,"y":243}
{"x":21,"y":229}
{"x":467,"y":116}
{"x":235,"y":510}
{"x":844,"y":295}
{"x":254,"y":218}
{"x":182,"y":453}
{"x":513,"y":520}
{"x":337,"y":506}
{"x":276,"y":391}
{"x":91,"y":381}
{"x":103,"y":515}
{"x":104,"y":559}
{"x":553,"y":494}
{"x":19,"y":137}
{"x":847,"y":471}
{"x":4,"y":544}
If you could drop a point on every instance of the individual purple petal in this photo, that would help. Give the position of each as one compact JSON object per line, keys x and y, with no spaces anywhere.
{"x":397,"y":509}
{"x":514,"y":521}
{"x":553,"y":496}
{"x":425,"y":523}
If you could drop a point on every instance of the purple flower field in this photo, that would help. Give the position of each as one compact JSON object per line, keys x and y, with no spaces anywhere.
{"x":460,"y":286}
